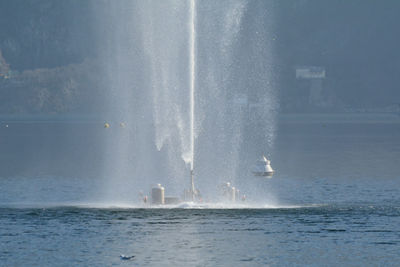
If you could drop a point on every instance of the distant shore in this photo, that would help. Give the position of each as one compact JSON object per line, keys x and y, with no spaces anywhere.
{"x":389,"y":117}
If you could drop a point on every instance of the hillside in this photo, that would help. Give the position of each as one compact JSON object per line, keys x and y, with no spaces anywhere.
{"x":51,"y":58}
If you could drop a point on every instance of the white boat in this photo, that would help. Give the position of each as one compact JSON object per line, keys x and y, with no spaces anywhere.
{"x":263,"y":168}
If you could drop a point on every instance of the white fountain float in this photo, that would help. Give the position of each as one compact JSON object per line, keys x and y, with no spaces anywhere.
{"x":263,"y":168}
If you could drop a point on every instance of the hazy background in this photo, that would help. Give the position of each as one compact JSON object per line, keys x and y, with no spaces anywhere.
{"x":56,"y":64}
{"x":49,"y":53}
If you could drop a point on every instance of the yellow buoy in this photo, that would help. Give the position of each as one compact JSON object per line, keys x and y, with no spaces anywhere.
{"x":106,"y":125}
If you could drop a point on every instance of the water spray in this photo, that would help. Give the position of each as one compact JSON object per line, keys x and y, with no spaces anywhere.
{"x":192,"y":87}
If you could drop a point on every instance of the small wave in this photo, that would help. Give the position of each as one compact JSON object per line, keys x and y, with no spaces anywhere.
{"x":127,"y":205}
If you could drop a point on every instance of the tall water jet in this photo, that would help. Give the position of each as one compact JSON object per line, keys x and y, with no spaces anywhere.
{"x":192,"y":87}
{"x":172,"y":82}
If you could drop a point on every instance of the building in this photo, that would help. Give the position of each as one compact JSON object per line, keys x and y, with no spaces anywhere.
{"x":314,"y":75}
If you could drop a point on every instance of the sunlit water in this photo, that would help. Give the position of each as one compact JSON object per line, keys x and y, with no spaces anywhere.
{"x":335,"y":200}
{"x":326,"y":235}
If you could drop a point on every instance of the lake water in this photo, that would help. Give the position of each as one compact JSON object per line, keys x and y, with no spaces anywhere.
{"x":335,"y":200}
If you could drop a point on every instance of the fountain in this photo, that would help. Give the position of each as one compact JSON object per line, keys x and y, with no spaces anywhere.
{"x":192,"y":87}
{"x":183,"y":75}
